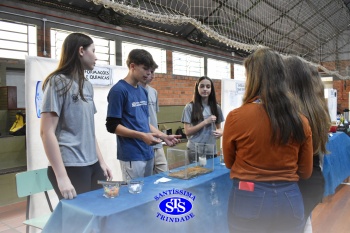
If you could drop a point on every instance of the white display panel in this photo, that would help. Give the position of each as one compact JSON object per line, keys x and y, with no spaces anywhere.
{"x":331,"y":98}
{"x":36,"y":70}
{"x":232,"y":92}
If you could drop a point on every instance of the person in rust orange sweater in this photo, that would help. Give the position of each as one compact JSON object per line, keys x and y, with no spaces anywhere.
{"x":267,"y":144}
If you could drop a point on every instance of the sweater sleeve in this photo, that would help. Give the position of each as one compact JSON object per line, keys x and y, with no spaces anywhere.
{"x":228,"y":141}
{"x":305,"y":159}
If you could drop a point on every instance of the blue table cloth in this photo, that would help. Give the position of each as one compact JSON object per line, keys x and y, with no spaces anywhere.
{"x":336,"y":164}
{"x":129,"y":213}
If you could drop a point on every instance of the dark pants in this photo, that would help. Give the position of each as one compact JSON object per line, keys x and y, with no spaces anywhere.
{"x":84,"y":179}
{"x":273,"y":207}
{"x":312,"y":189}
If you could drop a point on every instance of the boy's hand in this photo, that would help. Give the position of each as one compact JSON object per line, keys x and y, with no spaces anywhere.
{"x":151,"y":139}
{"x":172,"y":140}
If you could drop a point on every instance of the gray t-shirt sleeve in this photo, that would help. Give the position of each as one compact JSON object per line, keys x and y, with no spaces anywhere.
{"x":186,"y":114}
{"x":52,"y":99}
{"x":153,"y":108}
{"x":157,"y":102}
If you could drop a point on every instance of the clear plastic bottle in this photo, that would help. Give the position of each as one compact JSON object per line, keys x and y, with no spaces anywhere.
{"x":338,"y":120}
{"x":213,"y":194}
{"x":341,"y":120}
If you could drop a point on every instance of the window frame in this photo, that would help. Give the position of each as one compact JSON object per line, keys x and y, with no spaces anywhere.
{"x":17,"y":40}
{"x":103,"y":47}
{"x":188,"y":60}
{"x":219,"y":68}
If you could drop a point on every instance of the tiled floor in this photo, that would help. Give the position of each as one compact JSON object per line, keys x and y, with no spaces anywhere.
{"x":11,"y":218}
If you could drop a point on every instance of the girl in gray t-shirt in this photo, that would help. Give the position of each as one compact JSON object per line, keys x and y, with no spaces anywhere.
{"x":67,"y":122}
{"x":202,"y":117}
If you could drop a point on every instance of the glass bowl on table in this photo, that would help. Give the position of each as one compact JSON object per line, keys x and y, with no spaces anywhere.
{"x":135,"y":186}
{"x":110,"y":188}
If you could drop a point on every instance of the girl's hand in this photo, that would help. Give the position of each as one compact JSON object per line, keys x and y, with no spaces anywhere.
{"x":217,"y":133}
{"x":66,"y":188}
{"x":107,"y":172}
{"x":210,"y":119}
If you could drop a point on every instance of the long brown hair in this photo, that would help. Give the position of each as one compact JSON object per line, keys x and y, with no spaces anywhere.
{"x":266,"y":79}
{"x":305,"y":83}
{"x":69,"y":64}
{"x":197,"y":110}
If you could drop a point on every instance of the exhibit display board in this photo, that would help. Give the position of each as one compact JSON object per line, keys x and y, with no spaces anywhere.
{"x":232,"y":92}
{"x":331,"y":98}
{"x":36,"y":70}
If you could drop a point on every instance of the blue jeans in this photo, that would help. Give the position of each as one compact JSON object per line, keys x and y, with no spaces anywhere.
{"x":273,"y":207}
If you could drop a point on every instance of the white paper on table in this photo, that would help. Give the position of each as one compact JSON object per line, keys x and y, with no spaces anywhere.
{"x":162,"y":180}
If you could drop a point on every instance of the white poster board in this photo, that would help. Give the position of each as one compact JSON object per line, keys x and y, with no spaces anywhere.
{"x":232,"y":92}
{"x":331,"y":98}
{"x":36,"y":70}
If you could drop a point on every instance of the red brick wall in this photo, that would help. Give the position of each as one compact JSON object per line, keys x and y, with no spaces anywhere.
{"x":342,"y":86}
{"x":177,"y":89}
{"x":40,"y":41}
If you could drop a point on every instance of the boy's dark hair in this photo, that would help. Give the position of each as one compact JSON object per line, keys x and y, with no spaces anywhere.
{"x":141,"y":57}
{"x":154,"y":67}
